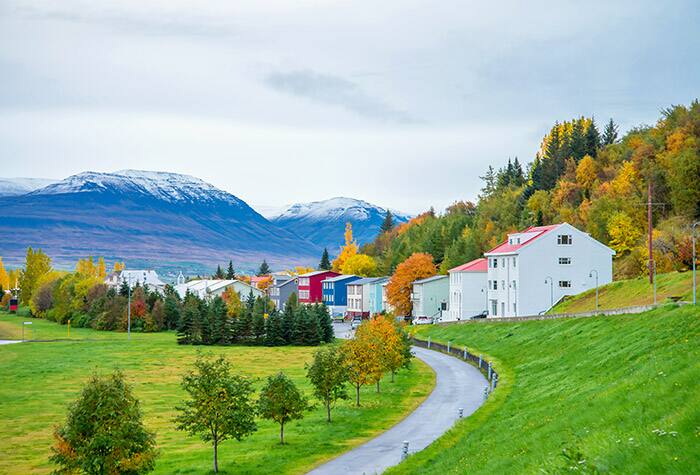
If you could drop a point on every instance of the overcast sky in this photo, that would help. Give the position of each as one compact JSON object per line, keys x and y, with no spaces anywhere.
{"x":401,"y":103}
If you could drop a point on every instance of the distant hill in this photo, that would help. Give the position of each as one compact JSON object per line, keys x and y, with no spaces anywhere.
{"x":323,"y":222}
{"x":22,"y":186}
{"x":144,"y":216}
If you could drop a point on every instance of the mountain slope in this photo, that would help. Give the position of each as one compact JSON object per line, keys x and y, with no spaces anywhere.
{"x":22,"y":186}
{"x":146,"y":215}
{"x":323,"y":222}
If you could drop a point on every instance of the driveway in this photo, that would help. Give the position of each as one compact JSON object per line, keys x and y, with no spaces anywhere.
{"x":458,"y":385}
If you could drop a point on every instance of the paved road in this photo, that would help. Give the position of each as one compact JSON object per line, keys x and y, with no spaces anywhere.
{"x":458,"y":385}
{"x":7,"y":342}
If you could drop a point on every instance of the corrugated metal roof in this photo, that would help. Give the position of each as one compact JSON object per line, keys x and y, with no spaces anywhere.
{"x":430,"y":279}
{"x":506,"y":247}
{"x":477,"y":265}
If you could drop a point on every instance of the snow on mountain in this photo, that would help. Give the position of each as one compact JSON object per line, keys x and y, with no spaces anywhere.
{"x":323,"y":222}
{"x":170,"y":187}
{"x":20,"y":186}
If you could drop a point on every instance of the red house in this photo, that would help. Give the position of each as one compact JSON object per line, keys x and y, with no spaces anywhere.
{"x":310,"y":287}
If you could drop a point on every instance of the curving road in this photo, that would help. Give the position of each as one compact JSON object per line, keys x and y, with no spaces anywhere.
{"x":458,"y":385}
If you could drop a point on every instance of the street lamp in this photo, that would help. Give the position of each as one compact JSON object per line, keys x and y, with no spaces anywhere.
{"x":653,"y":269}
{"x":694,"y":259}
{"x":590,"y":274}
{"x":128,"y":311}
{"x":551,"y":291}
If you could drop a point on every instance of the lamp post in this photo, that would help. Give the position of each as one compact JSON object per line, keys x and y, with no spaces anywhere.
{"x":128,"y":311}
{"x":551,"y":291}
{"x":694,"y":259}
{"x":653,"y":269}
{"x":590,"y":274}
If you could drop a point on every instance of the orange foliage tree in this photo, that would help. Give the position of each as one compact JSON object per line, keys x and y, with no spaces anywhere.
{"x":362,"y":357}
{"x":418,"y":266}
{"x":349,"y":249}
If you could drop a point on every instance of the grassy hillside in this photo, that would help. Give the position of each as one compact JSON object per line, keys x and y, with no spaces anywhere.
{"x":631,"y":292}
{"x":607,"y":394}
{"x":39,"y":380}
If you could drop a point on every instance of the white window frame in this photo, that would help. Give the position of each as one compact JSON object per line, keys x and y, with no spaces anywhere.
{"x":564,"y":237}
{"x":564,"y":261}
{"x":564,"y":284}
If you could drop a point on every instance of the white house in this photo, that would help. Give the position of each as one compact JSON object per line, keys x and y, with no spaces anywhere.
{"x":468,"y":291}
{"x":533,"y":269}
{"x":430,"y":297}
{"x":209,"y":288}
{"x":133,"y":277}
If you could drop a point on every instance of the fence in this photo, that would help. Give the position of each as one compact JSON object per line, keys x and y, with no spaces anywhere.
{"x":484,"y":366}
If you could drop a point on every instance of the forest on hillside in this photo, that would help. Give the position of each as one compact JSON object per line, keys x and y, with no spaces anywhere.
{"x":585,"y":175}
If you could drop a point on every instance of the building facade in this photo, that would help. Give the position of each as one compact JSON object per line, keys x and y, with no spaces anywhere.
{"x":210,"y":288}
{"x":309,"y":285}
{"x":281,"y":289}
{"x":468,"y":292}
{"x":376,"y":295}
{"x":430,"y":297}
{"x":144,"y":278}
{"x":532,"y":270}
{"x":335,"y":293}
{"x":359,"y":297}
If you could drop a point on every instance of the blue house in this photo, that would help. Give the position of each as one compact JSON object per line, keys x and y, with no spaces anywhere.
{"x":335,"y":294}
{"x":376,"y":296}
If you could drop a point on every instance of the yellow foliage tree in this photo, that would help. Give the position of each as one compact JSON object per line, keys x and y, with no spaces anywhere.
{"x":101,"y":268}
{"x":299,"y":270}
{"x":623,"y":233}
{"x":586,"y":173}
{"x":86,"y":267}
{"x":362,"y":356}
{"x":234,"y":306}
{"x":418,"y":266}
{"x":359,"y":264}
{"x":395,"y":350}
{"x":4,"y":277}
{"x":349,"y":249}
{"x":118,"y":267}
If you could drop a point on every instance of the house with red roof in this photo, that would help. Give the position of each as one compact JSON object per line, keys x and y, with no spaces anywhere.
{"x":310,"y":285}
{"x":533,"y":269}
{"x":468,"y":293}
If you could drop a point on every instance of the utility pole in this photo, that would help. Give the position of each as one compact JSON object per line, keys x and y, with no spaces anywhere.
{"x":128,"y":312}
{"x":695,"y":300}
{"x":651,"y":228}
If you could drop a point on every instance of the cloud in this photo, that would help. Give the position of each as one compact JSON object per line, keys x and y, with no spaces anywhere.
{"x":336,"y":91}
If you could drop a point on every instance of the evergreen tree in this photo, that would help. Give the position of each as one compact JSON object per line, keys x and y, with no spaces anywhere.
{"x":388,"y":223}
{"x":206,"y":325}
{"x":539,"y":221}
{"x":172,"y":311}
{"x":259,"y":329}
{"x":264,"y":268}
{"x":274,"y":335}
{"x":325,"y":260}
{"x":518,"y":178}
{"x":185,"y":325}
{"x":592,"y":139}
{"x":219,"y":273}
{"x":288,"y":319}
{"x":610,"y":133}
{"x":244,"y":326}
{"x":217,"y":321}
{"x":309,"y":328}
{"x":578,"y":140}
{"x":489,"y":182}
{"x":124,"y":288}
{"x":230,"y":273}
{"x":325,"y":323}
{"x":250,"y":302}
{"x":299,"y":324}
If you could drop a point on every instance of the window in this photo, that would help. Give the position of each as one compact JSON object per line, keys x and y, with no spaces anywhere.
{"x":514,"y":262}
{"x":503,"y":262}
{"x":495,"y":285}
{"x":503,"y":284}
{"x":565,"y":261}
{"x":518,"y":240}
{"x":495,"y":263}
{"x":304,"y":294}
{"x":564,"y":239}
{"x":515,"y":309}
{"x":514,"y":286}
{"x":503,"y":309}
{"x":304,"y":281}
{"x":565,"y":284}
{"x":494,"y":307}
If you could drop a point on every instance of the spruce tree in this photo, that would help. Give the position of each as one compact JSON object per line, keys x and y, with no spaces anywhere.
{"x":273,"y":330}
{"x":219,"y":273}
{"x":325,"y":263}
{"x":610,"y":133}
{"x":388,"y":223}
{"x":259,"y":328}
{"x":325,"y":323}
{"x":230,"y":273}
{"x":264,"y":268}
{"x":184,"y":327}
{"x":592,"y":139}
{"x":217,"y":319}
{"x":578,"y":140}
{"x":244,"y":326}
{"x":489,"y":182}
{"x":299,"y":323}
{"x":288,"y":318}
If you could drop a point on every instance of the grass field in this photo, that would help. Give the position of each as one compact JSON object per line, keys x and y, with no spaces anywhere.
{"x":616,"y":394}
{"x":39,"y":379}
{"x":631,"y":292}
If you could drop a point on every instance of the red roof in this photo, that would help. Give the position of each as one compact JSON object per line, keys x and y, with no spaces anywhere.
{"x":477,"y":265}
{"x":506,"y":247}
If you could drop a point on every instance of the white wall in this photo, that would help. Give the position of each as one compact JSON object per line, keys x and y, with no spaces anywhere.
{"x":467,"y":295}
{"x":540,"y":260}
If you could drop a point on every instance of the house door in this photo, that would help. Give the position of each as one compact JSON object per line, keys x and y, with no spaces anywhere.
{"x":503,"y":309}
{"x":494,"y":307}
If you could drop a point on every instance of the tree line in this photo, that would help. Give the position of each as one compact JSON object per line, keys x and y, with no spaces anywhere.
{"x":104,"y":430}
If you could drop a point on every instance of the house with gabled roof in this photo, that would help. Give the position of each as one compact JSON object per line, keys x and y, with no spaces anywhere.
{"x":281,"y":289}
{"x":335,"y":294}
{"x":468,"y":293}
{"x":533,"y":269}
{"x":430,"y":296}
{"x":360,"y":295}
{"x":210,"y":288}
{"x":309,"y":285}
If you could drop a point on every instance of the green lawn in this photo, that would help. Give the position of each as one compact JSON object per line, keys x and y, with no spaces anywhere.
{"x":631,"y":292}
{"x":619,"y":394}
{"x":40,"y":378}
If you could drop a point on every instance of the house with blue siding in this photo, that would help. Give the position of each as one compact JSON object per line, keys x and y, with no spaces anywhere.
{"x":376,"y":298}
{"x":335,"y":293}
{"x":430,"y":297}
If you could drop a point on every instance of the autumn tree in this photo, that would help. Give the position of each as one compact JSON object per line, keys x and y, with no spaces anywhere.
{"x":586,"y":173}
{"x":104,"y":432}
{"x":282,"y":402}
{"x":623,"y":233}
{"x":118,"y":266}
{"x":36,"y":265}
{"x":395,"y":352}
{"x":347,"y":251}
{"x":4,"y":277}
{"x":328,"y":374}
{"x":418,"y":266}
{"x":359,"y":264}
{"x":362,"y":356}
{"x":219,"y":407}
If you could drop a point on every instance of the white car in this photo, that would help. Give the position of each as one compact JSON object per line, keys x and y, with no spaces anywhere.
{"x":356,"y":322}
{"x":422,"y":321}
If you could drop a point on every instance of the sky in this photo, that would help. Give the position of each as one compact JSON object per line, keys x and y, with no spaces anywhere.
{"x":401,"y":103}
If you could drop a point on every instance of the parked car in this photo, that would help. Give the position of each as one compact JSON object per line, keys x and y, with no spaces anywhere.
{"x":356,"y":322}
{"x":483,"y":314}
{"x":422,"y":321}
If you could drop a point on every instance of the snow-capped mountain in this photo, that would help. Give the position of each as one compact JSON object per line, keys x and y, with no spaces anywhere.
{"x":146,"y":215}
{"x":22,"y":186}
{"x":323,"y":222}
